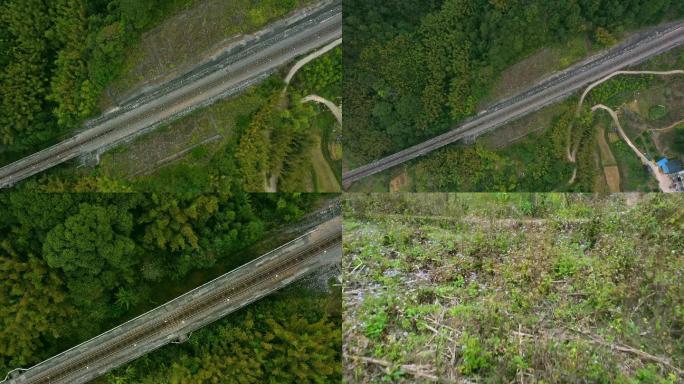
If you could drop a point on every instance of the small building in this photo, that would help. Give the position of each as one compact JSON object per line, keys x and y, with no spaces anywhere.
{"x":668,"y":166}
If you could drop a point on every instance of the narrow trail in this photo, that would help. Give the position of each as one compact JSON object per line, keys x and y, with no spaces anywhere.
{"x":594,"y":85}
{"x":271,"y":183}
{"x":676,"y":123}
{"x":573,"y":177}
{"x":572,"y":153}
{"x":308,"y":58}
{"x":336,"y":111}
{"x":663,"y":181}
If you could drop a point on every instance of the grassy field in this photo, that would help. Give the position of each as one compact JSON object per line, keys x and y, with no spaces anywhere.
{"x":500,"y":288}
{"x":632,"y":173}
{"x":539,"y":65}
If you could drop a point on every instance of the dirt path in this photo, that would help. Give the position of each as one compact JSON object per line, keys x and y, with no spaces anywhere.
{"x":573,"y":177}
{"x":676,"y":123}
{"x":271,"y":183}
{"x":663,"y":181}
{"x":308,"y":58}
{"x":594,"y":85}
{"x":336,"y":111}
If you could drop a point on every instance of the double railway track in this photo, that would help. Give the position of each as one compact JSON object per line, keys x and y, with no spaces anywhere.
{"x":180,"y":321}
{"x":227,"y":75}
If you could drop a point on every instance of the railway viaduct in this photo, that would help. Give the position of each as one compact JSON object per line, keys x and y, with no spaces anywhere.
{"x":175,"y":320}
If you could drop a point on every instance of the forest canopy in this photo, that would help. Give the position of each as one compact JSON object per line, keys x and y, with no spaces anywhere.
{"x":56,"y":57}
{"x":289,"y":337}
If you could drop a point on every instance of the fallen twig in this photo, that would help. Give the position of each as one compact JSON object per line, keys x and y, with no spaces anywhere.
{"x":412,"y":369}
{"x":627,"y":349}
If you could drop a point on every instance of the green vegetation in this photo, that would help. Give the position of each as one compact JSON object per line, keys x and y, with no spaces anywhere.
{"x":322,"y":76}
{"x":657,"y":112}
{"x":293,"y":336}
{"x":60,"y":59}
{"x":463,"y":51}
{"x":678,"y":142}
{"x":460,"y":49}
{"x":73,"y":265}
{"x":533,"y":164}
{"x":514,"y":287}
{"x":633,"y":175}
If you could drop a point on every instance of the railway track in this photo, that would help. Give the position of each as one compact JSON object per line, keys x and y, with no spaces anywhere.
{"x":546,"y":92}
{"x":229,"y":75}
{"x":184,"y":317}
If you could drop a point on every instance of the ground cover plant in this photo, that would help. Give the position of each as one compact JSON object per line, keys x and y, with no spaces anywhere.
{"x":460,"y":49}
{"x":535,"y":288}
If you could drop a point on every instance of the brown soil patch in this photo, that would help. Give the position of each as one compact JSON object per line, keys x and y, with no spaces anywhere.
{"x":607,"y":158}
{"x":399,"y":182}
{"x":612,"y":174}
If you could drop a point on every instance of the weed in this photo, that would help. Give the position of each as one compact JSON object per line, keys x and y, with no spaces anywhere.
{"x":474,"y":357}
{"x":375,"y":325}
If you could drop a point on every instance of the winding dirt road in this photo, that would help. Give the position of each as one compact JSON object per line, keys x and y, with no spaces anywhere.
{"x":594,"y":85}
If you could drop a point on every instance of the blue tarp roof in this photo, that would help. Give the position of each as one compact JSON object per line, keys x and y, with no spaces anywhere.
{"x":669,"y":166}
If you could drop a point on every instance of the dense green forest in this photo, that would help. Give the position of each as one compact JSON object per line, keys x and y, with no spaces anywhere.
{"x":74,"y":265}
{"x":292,"y":336}
{"x":56,"y":58}
{"x":413,"y":69}
{"x":503,"y":288}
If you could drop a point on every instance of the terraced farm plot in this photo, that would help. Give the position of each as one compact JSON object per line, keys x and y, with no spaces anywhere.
{"x":532,"y":288}
{"x":610,"y":168}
